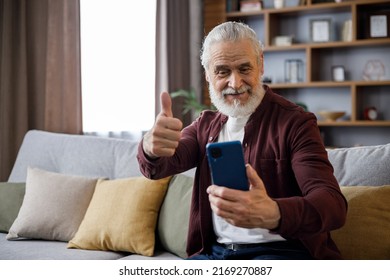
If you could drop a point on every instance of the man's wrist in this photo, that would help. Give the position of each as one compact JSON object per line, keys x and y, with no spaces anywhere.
{"x":145,"y":147}
{"x":275,"y":223}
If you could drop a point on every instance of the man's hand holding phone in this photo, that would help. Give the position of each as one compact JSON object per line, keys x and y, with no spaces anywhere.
{"x":163,"y":139}
{"x":248,"y":209}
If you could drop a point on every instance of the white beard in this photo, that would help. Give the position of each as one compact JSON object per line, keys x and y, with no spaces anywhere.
{"x":237,"y":109}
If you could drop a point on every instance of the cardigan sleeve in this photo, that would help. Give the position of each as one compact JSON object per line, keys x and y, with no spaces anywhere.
{"x":184,"y":158}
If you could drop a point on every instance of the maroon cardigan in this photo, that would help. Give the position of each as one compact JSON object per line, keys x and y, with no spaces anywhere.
{"x":283,"y":144}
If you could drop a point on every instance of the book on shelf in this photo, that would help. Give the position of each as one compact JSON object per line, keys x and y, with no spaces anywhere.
{"x":346,"y":32}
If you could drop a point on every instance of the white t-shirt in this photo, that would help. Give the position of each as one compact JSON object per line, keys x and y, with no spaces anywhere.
{"x":234,"y":129}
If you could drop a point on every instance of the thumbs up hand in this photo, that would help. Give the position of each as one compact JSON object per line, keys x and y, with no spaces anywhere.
{"x":163,"y":139}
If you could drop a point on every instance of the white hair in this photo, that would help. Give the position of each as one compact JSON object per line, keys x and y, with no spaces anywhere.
{"x":229,"y":31}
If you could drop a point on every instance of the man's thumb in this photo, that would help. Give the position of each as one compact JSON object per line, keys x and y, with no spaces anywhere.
{"x":166,"y":104}
{"x":254,"y":179}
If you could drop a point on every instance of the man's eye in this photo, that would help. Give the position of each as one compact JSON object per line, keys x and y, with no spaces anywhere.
{"x":222,"y":73}
{"x":245,"y":70}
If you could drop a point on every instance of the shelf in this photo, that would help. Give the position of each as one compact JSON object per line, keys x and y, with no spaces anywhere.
{"x":333,"y":44}
{"x":310,"y":8}
{"x":330,"y":84}
{"x":355,"y":123}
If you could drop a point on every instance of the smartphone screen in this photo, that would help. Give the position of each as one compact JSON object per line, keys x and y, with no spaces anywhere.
{"x":227,"y":165}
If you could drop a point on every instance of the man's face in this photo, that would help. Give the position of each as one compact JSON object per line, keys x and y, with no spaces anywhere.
{"x":234,"y":77}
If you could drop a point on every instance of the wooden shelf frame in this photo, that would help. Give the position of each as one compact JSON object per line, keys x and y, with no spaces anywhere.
{"x":312,"y":52}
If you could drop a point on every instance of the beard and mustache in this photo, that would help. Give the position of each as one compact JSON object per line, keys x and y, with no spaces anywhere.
{"x":237,"y":109}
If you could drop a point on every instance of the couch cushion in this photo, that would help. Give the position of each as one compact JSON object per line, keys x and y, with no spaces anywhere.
{"x":122,"y":216}
{"x":365,"y":234}
{"x":11,"y":198}
{"x":174,"y":215}
{"x":49,"y":250}
{"x":361,"y":166}
{"x":81,"y":155}
{"x":158,"y":255}
{"x":53,"y":206}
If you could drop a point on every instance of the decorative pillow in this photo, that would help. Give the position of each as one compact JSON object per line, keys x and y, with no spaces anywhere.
{"x":53,"y":206}
{"x":361,"y":166}
{"x":365,"y":234}
{"x":11,"y":198}
{"x":174,"y":215}
{"x":122,"y":216}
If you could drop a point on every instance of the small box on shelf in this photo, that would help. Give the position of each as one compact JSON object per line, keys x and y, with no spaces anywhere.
{"x":251,"y":5}
{"x":282,"y":41}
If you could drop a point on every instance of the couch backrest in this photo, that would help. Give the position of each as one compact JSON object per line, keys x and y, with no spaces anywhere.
{"x":77,"y":155}
{"x":116,"y":158}
{"x":361,"y":166}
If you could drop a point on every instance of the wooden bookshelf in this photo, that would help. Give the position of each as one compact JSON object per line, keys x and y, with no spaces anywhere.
{"x":270,"y":22}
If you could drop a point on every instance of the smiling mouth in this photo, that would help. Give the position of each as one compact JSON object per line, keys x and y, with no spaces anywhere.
{"x":237,"y":95}
{"x":236,"y":92}
{"x":232,"y":93}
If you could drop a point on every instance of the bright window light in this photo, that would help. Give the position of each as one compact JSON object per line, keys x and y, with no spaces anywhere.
{"x":118,"y":64}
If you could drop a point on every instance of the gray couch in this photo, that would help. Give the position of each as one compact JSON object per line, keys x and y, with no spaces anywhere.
{"x":364,"y":173}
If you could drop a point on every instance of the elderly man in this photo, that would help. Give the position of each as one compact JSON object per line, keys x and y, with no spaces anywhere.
{"x":294,"y":200}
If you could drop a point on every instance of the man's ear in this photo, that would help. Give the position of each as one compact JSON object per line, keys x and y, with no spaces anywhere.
{"x":262,"y":64}
{"x":206,"y":75}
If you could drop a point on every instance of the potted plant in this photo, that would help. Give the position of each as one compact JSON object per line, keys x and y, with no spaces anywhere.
{"x":191,"y":103}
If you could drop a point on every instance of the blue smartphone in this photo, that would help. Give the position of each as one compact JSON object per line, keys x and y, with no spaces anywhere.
{"x":227,"y":165}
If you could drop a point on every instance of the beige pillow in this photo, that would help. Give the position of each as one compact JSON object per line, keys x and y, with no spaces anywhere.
{"x":366,"y":233}
{"x":122,"y":216}
{"x":53,"y":206}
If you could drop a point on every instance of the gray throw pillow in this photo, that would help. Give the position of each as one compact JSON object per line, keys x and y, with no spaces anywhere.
{"x":361,"y":166}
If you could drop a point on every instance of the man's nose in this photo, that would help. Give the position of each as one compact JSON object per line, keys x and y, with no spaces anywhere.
{"x":235,"y":80}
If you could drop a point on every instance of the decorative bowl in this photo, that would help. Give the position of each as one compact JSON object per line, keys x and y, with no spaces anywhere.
{"x":331,"y":116}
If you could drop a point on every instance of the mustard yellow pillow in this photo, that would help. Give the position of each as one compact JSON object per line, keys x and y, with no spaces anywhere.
{"x":122,"y":216}
{"x":365,"y":234}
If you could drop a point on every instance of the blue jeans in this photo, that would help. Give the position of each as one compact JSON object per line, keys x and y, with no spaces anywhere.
{"x":282,"y":250}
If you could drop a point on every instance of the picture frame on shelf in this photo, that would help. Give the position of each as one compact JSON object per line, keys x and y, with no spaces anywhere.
{"x":379,"y":25}
{"x":338,"y":73}
{"x":320,"y":30}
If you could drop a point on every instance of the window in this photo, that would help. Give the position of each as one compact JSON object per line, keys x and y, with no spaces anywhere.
{"x":118,"y":65}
